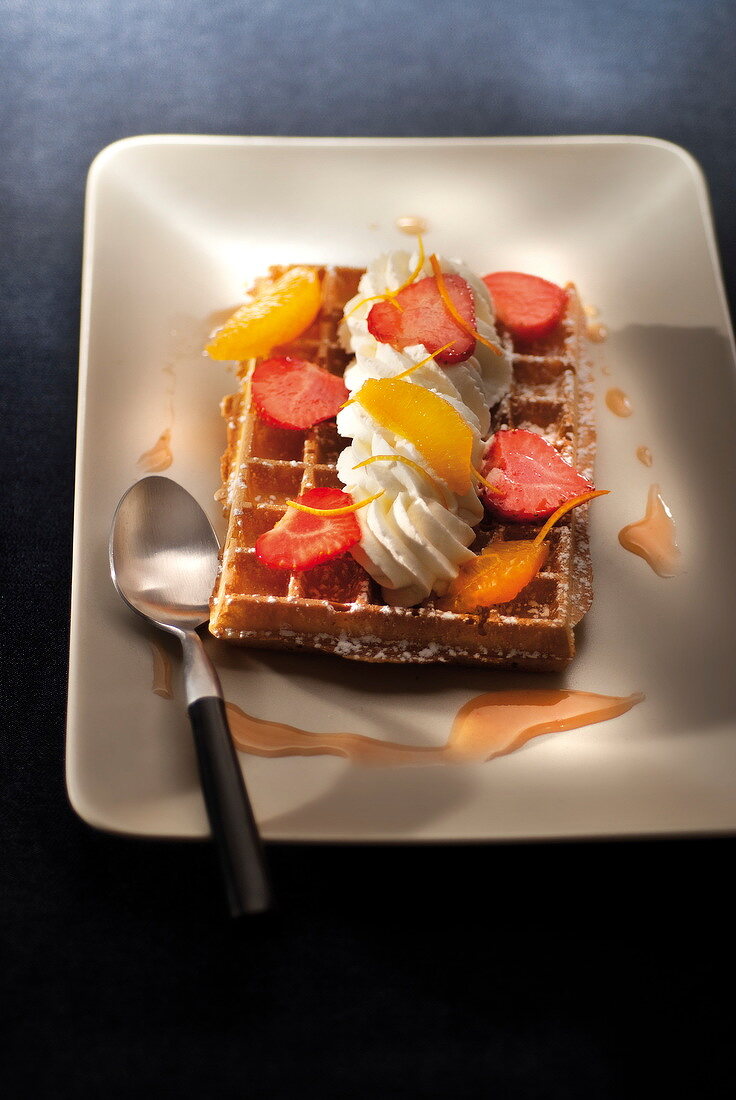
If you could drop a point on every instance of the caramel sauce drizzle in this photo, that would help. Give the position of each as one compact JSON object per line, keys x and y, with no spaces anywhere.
{"x":485,"y":727}
{"x":644,"y":455}
{"x":618,"y":402}
{"x":160,"y":456}
{"x":654,"y":537}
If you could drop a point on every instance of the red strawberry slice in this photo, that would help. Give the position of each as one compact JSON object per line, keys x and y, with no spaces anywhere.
{"x":421,"y":317}
{"x":528,"y":306}
{"x":533,"y":481}
{"x":294,"y":393}
{"x":300,"y":540}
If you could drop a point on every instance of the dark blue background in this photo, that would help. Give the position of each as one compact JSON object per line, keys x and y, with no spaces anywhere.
{"x":511,"y":971}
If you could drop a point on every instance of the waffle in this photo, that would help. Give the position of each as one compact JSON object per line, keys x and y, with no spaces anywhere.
{"x":336,"y":607}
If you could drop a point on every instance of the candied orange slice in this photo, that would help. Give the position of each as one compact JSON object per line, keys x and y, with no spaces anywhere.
{"x":279,"y":312}
{"x":426,"y":420}
{"x":503,"y":569}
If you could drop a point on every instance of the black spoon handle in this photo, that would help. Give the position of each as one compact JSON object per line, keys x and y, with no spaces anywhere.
{"x":229,"y":810}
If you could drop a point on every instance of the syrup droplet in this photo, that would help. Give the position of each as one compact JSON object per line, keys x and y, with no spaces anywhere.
{"x":654,"y":537}
{"x":488,"y":725}
{"x":161,"y":684}
{"x":596,"y":332}
{"x":644,"y":455}
{"x":412,"y":225}
{"x":159,"y":456}
{"x":618,"y":402}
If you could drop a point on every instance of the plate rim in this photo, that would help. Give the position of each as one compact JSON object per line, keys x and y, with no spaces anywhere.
{"x":86,"y":808}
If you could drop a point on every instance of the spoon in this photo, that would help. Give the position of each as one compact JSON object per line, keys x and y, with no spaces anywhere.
{"x":163,"y":561}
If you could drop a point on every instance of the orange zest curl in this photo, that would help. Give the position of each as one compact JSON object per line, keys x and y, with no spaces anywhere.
{"x":407,"y":462}
{"x":390,"y":295}
{"x":427,"y":359}
{"x":450,"y":307}
{"x":370,"y":298}
{"x":410,"y":279}
{"x":566,"y":507}
{"x":479,"y":477}
{"x":344,"y":511}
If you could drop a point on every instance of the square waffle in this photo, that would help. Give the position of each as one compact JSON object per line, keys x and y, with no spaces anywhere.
{"x":336,"y":607}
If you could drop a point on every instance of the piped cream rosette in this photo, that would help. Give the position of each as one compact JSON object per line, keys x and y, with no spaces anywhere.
{"x":416,"y":535}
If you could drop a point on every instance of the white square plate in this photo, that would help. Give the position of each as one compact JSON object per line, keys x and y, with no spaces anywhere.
{"x":175,"y":227}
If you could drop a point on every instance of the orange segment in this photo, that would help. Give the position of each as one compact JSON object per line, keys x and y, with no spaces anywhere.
{"x":500,"y":571}
{"x":280,"y":312}
{"x":427,"y":421}
{"x":496,"y":576}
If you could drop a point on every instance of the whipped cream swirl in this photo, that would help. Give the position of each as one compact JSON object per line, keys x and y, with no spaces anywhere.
{"x":416,"y":535}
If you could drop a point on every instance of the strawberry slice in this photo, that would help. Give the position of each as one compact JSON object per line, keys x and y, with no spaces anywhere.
{"x":528,"y":306}
{"x":417,"y":315}
{"x":531,"y":478}
{"x":294,"y":393}
{"x":300,"y":540}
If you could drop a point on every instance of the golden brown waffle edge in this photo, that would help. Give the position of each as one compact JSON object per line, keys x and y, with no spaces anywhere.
{"x":336,"y":607}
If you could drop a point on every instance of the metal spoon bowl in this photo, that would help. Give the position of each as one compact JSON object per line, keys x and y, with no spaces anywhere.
{"x":163,"y":562}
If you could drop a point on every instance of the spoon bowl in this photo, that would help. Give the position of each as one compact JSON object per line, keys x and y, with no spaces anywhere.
{"x":163,"y":554}
{"x":163,"y":562}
